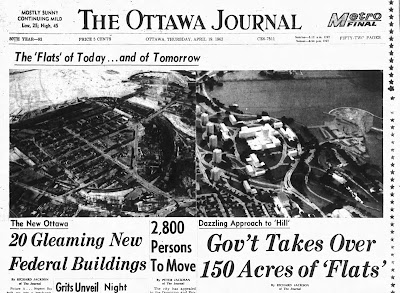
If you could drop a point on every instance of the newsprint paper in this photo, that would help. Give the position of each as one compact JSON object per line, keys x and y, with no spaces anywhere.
{"x":199,"y":147}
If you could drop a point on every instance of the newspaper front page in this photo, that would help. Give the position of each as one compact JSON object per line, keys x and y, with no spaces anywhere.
{"x":192,"y":147}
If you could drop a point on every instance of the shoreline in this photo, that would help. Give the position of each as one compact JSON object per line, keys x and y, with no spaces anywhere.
{"x":376,"y":158}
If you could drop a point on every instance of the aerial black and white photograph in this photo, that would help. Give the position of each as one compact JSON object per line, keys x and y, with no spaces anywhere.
{"x":289,"y":143}
{"x":105,"y":143}
{"x":123,"y":143}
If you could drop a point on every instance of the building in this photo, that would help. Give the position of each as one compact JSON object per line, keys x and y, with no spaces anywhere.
{"x":259,"y":172}
{"x":247,"y":132}
{"x":293,"y":153}
{"x":280,"y":208}
{"x":278,"y":124}
{"x":265,"y":118}
{"x":210,"y":128}
{"x":118,"y":111}
{"x":284,"y":199}
{"x":225,"y":136}
{"x":260,"y":137}
{"x":248,"y":188}
{"x":111,"y":197}
{"x":204,"y":119}
{"x":142,"y":207}
{"x":288,"y":134}
{"x":24,"y":157}
{"x":198,"y":123}
{"x":250,"y":170}
{"x":217,"y":156}
{"x":198,"y":109}
{"x":212,"y":141}
{"x":224,"y":131}
{"x":223,"y":128}
{"x":232,"y":119}
{"x":341,"y":213}
{"x":254,"y":161}
{"x":339,"y":178}
{"x":216,"y":174}
{"x":133,"y":196}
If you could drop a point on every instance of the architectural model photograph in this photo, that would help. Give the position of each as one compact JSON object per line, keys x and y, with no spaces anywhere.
{"x":289,"y":143}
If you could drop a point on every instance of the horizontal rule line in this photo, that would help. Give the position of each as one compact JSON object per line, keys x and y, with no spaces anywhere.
{"x":194,"y":34}
{"x":108,"y":64}
{"x":38,"y":228}
{"x":204,"y":228}
{"x":169,"y":34}
{"x":261,"y":43}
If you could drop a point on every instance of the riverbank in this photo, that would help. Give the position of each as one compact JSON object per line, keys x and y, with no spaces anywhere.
{"x":307,"y":97}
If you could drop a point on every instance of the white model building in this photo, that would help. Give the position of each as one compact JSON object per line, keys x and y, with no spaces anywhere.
{"x":259,"y":173}
{"x":292,"y":153}
{"x":213,"y":141}
{"x":215,"y":174}
{"x":260,"y":137}
{"x":278,"y":124}
{"x":280,"y":209}
{"x":217,"y":156}
{"x":265,"y":118}
{"x":223,"y":127}
{"x":341,"y":213}
{"x":250,"y":170}
{"x":232,"y":119}
{"x":288,"y":134}
{"x":338,"y":178}
{"x":204,"y":119}
{"x":225,"y":136}
{"x":248,"y":188}
{"x":254,"y":161}
{"x":198,"y":109}
{"x":246,"y":132}
{"x":210,"y":128}
{"x":224,"y":131}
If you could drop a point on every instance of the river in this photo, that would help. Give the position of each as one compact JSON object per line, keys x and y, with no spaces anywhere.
{"x":305,"y":97}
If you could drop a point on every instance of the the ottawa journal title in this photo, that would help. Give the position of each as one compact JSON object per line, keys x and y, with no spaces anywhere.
{"x":216,"y":243}
{"x":136,"y":19}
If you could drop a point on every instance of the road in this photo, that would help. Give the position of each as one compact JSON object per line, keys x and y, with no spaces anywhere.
{"x":289,"y":188}
{"x":134,"y":174}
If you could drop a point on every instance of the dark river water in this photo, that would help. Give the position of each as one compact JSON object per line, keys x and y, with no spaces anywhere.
{"x":307,"y":97}
{"x":304,"y":98}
